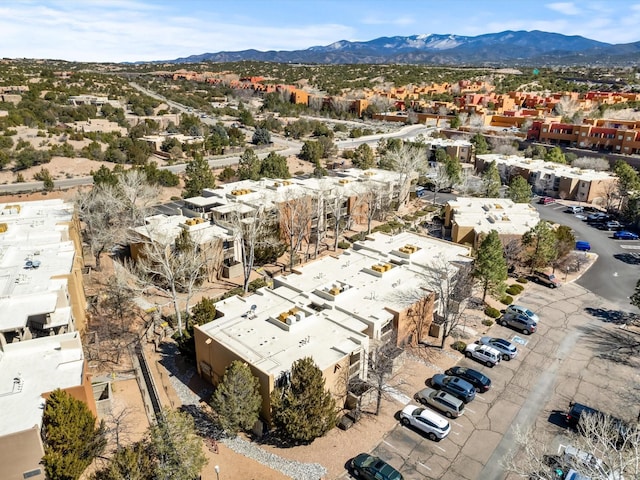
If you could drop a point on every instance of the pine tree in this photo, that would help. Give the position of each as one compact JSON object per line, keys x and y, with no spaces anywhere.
{"x":198,"y":176}
{"x":176,"y":447}
{"x":490,"y":266}
{"x":635,"y":297}
{"x":71,"y":438}
{"x":519,"y":190}
{"x":491,"y":181}
{"x":249,"y":165}
{"x":480,"y":144}
{"x":541,"y":245}
{"x":304,"y":410}
{"x":134,"y":462}
{"x":237,"y":399}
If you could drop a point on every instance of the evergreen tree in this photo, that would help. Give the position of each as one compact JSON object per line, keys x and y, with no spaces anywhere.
{"x":249,"y":165}
{"x":490,"y":267}
{"x":453,"y":170}
{"x":176,"y":447}
{"x":541,"y":245}
{"x":519,"y":190}
{"x":261,"y":136}
{"x":491,"y":181}
{"x":363,"y":157}
{"x":480,"y":144}
{"x":311,"y":151}
{"x":555,"y":155}
{"x":133,"y":462}
{"x":198,"y":176}
{"x":628,"y":179}
{"x":304,"y":409}
{"x":274,"y":166}
{"x":565,"y":241}
{"x":104,"y":176}
{"x":70,"y":436}
{"x":635,"y":297}
{"x":237,"y":398}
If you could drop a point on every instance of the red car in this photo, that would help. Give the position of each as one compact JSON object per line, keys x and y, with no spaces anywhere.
{"x":546,"y":200}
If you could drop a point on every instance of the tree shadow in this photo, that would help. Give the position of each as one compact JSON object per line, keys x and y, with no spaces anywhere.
{"x":629,"y":258}
{"x":205,"y":424}
{"x":617,"y":317}
{"x":615,"y":344}
{"x":185,"y":372}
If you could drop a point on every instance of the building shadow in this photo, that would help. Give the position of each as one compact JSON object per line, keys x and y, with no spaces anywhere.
{"x":617,"y":317}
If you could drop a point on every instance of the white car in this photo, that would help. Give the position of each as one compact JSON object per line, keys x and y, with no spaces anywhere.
{"x":483,"y":353}
{"x":505,"y":347}
{"x":523,"y":311}
{"x":427,"y":421}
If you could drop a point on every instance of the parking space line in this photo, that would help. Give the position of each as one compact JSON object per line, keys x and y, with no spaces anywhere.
{"x":439,"y":447}
{"x":469,"y":410}
{"x":384,"y":441}
{"x":456,"y":423}
{"x":423,"y":465}
{"x":480,"y":398}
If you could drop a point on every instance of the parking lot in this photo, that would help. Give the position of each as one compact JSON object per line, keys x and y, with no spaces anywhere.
{"x":555,"y":365}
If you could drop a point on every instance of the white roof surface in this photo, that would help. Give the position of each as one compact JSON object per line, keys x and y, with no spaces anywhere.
{"x":30,"y":368}
{"x":500,"y":214}
{"x":37,"y":234}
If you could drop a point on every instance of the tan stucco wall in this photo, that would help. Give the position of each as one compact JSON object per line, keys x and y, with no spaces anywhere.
{"x":21,"y":452}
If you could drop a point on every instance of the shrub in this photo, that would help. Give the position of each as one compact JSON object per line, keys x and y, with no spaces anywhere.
{"x":522,"y":280}
{"x":507,"y":300}
{"x":459,"y":345}
{"x":343,"y":245}
{"x":492,"y":312}
{"x":514,"y":290}
{"x":487,"y":322}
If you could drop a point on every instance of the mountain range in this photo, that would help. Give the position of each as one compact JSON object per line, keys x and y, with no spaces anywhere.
{"x":492,"y":49}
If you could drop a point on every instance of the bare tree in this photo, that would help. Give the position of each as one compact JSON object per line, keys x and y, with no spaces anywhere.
{"x":512,"y":253}
{"x":170,"y":269}
{"x":408,"y":161}
{"x":452,"y":284}
{"x":248,"y":227}
{"x":296,"y":214}
{"x":611,"y":193}
{"x":374,"y":200}
{"x":567,"y":106}
{"x":476,"y":121}
{"x":600,"y":164}
{"x":337,"y":209}
{"x":383,"y":374}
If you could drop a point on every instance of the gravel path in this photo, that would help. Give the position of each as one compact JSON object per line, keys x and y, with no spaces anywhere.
{"x":291,"y":468}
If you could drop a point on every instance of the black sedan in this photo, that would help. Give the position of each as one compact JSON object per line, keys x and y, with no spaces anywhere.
{"x":481,"y":382}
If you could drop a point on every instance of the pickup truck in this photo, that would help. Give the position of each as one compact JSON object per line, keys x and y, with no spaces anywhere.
{"x":483,"y":354}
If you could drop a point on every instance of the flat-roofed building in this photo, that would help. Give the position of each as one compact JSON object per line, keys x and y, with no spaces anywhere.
{"x":270,"y":332}
{"x":40,"y":270}
{"x":331,"y":310}
{"x":554,"y":179}
{"x":470,"y":219}
{"x":29,"y":371}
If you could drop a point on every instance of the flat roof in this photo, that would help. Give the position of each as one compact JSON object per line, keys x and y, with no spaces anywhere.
{"x":34,"y":249}
{"x":500,"y":214}
{"x":30,"y":368}
{"x":165,"y":228}
{"x":255,"y":329}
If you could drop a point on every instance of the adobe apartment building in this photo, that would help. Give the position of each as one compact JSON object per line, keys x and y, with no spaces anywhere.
{"x":29,"y":371}
{"x":467,"y":220}
{"x":617,"y":136}
{"x":332,"y":310}
{"x":40,"y":270}
{"x":554,"y":179}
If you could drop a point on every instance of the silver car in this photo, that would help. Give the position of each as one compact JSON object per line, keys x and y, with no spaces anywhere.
{"x":451,"y":406}
{"x":507,"y":349}
{"x":522,"y":311}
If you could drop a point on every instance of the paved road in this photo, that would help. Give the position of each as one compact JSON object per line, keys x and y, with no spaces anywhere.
{"x":616,"y":271}
{"x":558,"y":363}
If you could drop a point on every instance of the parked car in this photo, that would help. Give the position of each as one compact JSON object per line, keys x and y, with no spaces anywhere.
{"x":451,"y":406}
{"x":456,"y":386}
{"x":548,"y":279}
{"x":507,"y":349}
{"x":481,"y":382}
{"x":483,"y":354}
{"x":583,"y":246}
{"x":435,"y":426}
{"x":519,"y":322}
{"x":574,"y":209}
{"x":577,"y":412}
{"x":625,"y":235}
{"x":373,"y":468}
{"x":613,"y":225}
{"x":598,"y":217}
{"x":546,"y":200}
{"x":523,"y":311}
{"x":580,"y":216}
{"x":574,"y":457}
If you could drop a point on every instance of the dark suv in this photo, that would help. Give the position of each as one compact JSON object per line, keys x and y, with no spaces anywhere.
{"x":481,"y":382}
{"x":577,"y":411}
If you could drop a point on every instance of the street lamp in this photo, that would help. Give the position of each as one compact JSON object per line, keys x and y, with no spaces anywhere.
{"x":217,"y":469}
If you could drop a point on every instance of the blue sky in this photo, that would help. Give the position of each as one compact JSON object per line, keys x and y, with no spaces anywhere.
{"x":138,"y":30}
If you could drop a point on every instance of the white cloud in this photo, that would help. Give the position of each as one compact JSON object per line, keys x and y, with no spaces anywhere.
{"x":566,"y":8}
{"x":401,"y":21}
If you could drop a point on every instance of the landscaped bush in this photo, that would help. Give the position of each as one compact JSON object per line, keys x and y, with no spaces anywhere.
{"x":492,"y":312}
{"x":487,"y":322}
{"x":459,"y":345}
{"x":514,"y":289}
{"x":343,"y":245}
{"x":522,"y":280}
{"x":507,"y":300}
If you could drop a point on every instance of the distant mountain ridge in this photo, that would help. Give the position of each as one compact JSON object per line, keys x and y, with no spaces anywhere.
{"x":492,"y":49}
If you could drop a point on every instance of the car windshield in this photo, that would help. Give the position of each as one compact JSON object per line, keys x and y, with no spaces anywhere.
{"x":529,"y":313}
{"x":501,"y":342}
